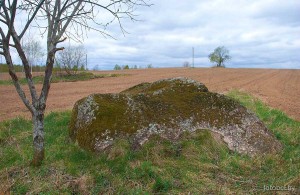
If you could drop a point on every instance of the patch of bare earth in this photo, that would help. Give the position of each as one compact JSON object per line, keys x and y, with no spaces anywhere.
{"x":278,"y":88}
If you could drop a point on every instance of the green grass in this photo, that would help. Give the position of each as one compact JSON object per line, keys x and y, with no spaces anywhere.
{"x":82,"y":76}
{"x":198,"y":163}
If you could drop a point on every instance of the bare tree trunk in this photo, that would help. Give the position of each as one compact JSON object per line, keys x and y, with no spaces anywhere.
{"x":38,"y":138}
{"x":61,"y":15}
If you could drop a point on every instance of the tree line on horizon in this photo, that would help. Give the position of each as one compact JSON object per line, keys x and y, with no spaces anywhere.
{"x":72,"y":59}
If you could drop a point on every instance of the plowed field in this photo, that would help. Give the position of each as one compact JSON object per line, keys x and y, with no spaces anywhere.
{"x":278,"y":88}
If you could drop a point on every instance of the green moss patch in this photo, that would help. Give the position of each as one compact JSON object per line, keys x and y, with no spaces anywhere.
{"x":167,"y":108}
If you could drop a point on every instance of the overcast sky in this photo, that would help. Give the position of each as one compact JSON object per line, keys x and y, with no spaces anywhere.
{"x":258,"y":34}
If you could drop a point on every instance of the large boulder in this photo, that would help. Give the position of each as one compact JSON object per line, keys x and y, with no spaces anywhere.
{"x":167,"y":108}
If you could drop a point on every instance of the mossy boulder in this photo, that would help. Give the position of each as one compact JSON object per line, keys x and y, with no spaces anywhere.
{"x":167,"y":108}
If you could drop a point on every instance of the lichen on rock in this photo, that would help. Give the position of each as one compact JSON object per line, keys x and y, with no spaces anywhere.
{"x":86,"y":111}
{"x":167,"y":108}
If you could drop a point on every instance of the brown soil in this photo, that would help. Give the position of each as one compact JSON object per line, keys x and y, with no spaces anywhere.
{"x":278,"y":88}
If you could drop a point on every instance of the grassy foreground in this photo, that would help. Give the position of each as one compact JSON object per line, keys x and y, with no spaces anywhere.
{"x":199,"y":163}
{"x":81,"y":76}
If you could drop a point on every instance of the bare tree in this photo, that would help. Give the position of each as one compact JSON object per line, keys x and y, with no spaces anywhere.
{"x":186,"y":64}
{"x":149,"y":66}
{"x":71,"y":59}
{"x":33,"y":51}
{"x":64,"y":18}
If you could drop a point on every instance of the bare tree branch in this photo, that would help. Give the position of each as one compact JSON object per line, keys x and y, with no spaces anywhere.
{"x":69,"y":18}
{"x":62,"y":31}
{"x":31,"y":19}
{"x":6,"y":53}
{"x":62,"y":40}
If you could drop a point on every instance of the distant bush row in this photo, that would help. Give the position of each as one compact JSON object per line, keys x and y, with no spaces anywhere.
{"x":20,"y":68}
{"x":126,"y":67}
{"x":57,"y":69}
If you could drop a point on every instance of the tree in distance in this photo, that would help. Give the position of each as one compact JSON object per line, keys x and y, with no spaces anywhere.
{"x":135,"y":67}
{"x":126,"y":67}
{"x":219,"y":56}
{"x":33,"y":51}
{"x":57,"y":20}
{"x":186,"y":64}
{"x":96,"y":67}
{"x":71,"y":59}
{"x":149,"y":66}
{"x":117,"y":67}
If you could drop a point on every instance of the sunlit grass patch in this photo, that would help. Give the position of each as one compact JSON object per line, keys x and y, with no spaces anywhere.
{"x":198,"y":163}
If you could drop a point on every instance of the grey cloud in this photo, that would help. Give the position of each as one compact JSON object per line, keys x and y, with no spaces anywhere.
{"x":258,"y":34}
{"x":280,"y":12}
